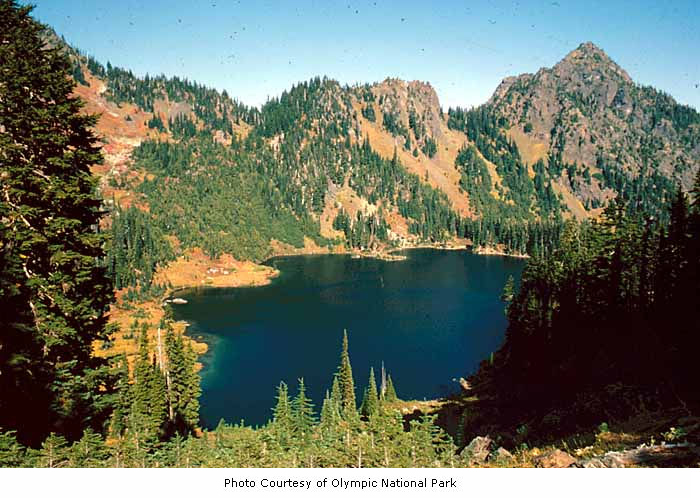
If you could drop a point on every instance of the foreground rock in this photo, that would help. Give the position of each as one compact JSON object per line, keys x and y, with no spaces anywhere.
{"x":556,"y":459}
{"x":664,"y":455}
{"x":501,"y":455}
{"x":478,"y":450}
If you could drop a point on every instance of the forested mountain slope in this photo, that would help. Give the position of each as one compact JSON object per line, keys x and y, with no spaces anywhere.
{"x":382,"y":164}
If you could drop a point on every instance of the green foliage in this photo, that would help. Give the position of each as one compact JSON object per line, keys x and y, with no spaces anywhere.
{"x":182,"y":383}
{"x":302,"y":413}
{"x":348,"y":404}
{"x":368,"y":113}
{"x":619,"y":293}
{"x":282,"y":423}
{"x":370,"y":401}
{"x":508,"y":291}
{"x":429,"y":147}
{"x":54,"y":452}
{"x":390,"y":394}
{"x":526,"y":218}
{"x":156,"y":123}
{"x":49,"y":243}
{"x":12,"y":453}
{"x":366,"y":230}
{"x":135,"y":249}
{"x":210,"y":207}
{"x":89,"y":451}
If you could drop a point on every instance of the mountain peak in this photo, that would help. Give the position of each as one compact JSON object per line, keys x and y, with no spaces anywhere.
{"x":589,"y":56}
{"x":590,"y":48}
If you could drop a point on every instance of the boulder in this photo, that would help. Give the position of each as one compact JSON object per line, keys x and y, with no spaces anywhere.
{"x":478,"y":450}
{"x":556,"y":459}
{"x":501,"y":455}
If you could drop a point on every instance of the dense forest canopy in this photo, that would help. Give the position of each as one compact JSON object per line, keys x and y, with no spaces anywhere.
{"x":605,"y":326}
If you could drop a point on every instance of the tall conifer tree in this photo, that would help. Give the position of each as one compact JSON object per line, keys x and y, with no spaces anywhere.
{"x":346,"y":382}
{"x":370,"y":403}
{"x":303,"y":417}
{"x":52,"y":282}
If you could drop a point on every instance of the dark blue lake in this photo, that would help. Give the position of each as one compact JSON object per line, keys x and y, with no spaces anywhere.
{"x":430,"y":318}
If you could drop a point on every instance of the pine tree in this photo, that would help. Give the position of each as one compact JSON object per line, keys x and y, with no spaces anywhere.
{"x":282,"y":419}
{"x":508,"y":290}
{"x":50,"y":276}
{"x":370,"y":403}
{"x":302,"y":409}
{"x":149,"y":408}
{"x":193,"y":389}
{"x":390,"y":391}
{"x":329,"y":415}
{"x":346,"y":383}
{"x":89,"y":451}
{"x":176,"y":375}
{"x":54,"y":452}
{"x":158,"y":401}
{"x":124,"y":397}
{"x":336,"y":399}
{"x":142,"y":370}
{"x":12,"y":454}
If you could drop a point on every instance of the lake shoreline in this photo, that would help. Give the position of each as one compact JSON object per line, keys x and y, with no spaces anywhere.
{"x":192,"y":272}
{"x":389,"y":255}
{"x":385,"y":307}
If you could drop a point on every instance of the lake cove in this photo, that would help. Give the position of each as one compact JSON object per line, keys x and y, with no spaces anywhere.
{"x":430,"y":319}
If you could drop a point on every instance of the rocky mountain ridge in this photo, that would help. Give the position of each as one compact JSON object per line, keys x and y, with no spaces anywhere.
{"x":595,"y":133}
{"x":588,"y":114}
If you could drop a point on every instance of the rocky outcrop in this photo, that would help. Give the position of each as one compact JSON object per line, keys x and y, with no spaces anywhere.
{"x":588,"y":108}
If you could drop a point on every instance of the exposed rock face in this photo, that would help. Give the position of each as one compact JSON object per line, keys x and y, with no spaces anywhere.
{"x":555,"y":459}
{"x":589,"y":109}
{"x":403,"y":98}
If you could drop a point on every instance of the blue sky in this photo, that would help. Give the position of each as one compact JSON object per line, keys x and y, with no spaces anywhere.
{"x":256,"y":49}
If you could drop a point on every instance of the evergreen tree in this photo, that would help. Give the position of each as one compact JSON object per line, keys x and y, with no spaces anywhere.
{"x":149,"y":410}
{"x":158,"y":400}
{"x":89,"y":451}
{"x":508,"y":290}
{"x":348,"y":406}
{"x":51,"y":248}
{"x":12,"y":454}
{"x":329,"y":415}
{"x":390,"y":394}
{"x":282,"y":420}
{"x":190,"y":401}
{"x":302,"y":411}
{"x":336,"y":400}
{"x":54,"y":452}
{"x":370,"y":402}
{"x":124,"y":398}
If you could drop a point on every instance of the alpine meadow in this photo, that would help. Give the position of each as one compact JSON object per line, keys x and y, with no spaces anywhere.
{"x":346,"y":275}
